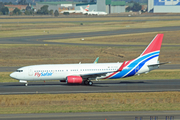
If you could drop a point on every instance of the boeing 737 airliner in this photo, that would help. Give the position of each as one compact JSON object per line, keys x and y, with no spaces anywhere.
{"x":84,"y":73}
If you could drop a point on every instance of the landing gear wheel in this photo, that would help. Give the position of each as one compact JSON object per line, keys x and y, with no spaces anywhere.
{"x":86,"y":82}
{"x":26,"y":84}
{"x":90,"y":83}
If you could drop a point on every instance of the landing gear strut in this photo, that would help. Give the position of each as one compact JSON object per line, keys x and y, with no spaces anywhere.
{"x":23,"y":81}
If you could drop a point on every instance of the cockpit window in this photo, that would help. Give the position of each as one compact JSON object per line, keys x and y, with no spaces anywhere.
{"x":19,"y":70}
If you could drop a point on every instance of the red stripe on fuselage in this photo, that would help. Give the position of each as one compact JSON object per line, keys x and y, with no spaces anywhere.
{"x":120,"y":69}
{"x":110,"y":75}
{"x":122,"y":66}
{"x":128,"y":62}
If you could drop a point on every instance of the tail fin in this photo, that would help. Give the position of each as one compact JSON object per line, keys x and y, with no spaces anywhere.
{"x":87,"y":8}
{"x":153,"y":49}
{"x":155,"y":45}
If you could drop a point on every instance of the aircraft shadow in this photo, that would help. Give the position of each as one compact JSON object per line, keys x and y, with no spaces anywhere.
{"x":97,"y":84}
{"x":124,"y":82}
{"x":130,"y":82}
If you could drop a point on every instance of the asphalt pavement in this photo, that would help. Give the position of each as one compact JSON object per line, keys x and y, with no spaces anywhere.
{"x":139,"y":115}
{"x":105,"y":86}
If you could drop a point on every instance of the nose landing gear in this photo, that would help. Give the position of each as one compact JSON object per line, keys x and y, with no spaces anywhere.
{"x":23,"y":81}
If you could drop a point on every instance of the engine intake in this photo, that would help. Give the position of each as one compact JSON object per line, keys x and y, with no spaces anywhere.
{"x":74,"y":79}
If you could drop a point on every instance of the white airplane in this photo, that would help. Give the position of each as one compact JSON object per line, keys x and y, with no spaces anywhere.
{"x":77,"y":11}
{"x":86,"y":11}
{"x":84,"y":73}
{"x":95,"y":13}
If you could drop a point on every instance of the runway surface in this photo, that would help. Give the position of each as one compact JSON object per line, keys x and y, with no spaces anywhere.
{"x":167,"y":66}
{"x":139,"y":115}
{"x":39,"y":39}
{"x":98,"y":87}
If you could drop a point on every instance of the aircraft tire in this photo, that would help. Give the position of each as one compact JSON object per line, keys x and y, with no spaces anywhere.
{"x":86,"y":82}
{"x":90,"y":83}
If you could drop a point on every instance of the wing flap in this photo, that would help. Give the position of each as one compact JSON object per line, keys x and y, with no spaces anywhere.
{"x":94,"y":75}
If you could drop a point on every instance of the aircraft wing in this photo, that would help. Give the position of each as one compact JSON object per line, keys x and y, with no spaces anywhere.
{"x":100,"y":74}
{"x":94,"y":75}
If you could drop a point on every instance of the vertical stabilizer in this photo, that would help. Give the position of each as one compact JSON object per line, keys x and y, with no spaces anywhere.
{"x":154,"y":46}
{"x":87,"y":8}
{"x":152,"y":51}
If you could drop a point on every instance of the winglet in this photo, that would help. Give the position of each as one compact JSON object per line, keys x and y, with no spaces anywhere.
{"x":155,"y":45}
{"x":96,"y":61}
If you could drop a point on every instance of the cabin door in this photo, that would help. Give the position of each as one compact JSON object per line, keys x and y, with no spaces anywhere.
{"x":30,"y":72}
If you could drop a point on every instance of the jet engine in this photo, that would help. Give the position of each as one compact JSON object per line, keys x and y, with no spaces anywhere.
{"x":74,"y":79}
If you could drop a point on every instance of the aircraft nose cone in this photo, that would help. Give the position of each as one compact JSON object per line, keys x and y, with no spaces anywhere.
{"x":13,"y":75}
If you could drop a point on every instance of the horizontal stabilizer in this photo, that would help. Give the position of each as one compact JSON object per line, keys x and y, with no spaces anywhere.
{"x":158,"y":64}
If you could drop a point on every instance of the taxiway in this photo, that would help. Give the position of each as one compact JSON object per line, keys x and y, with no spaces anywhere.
{"x":105,"y":86}
{"x":139,"y":115}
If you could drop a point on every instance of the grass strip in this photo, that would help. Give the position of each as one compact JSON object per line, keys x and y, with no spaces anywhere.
{"x":20,"y":29}
{"x":153,"y":75}
{"x":42,"y":19}
{"x":91,"y":102}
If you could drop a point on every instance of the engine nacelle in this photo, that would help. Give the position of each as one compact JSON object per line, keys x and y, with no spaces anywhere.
{"x":74,"y":79}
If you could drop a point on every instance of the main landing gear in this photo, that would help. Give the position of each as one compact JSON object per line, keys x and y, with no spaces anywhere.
{"x":88,"y":82}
